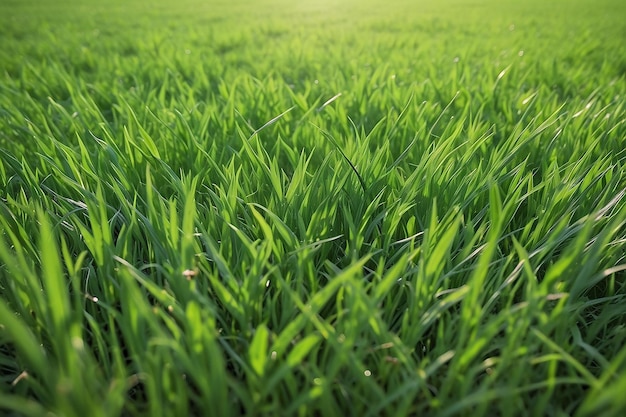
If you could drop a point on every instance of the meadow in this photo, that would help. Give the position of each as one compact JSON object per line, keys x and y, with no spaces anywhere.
{"x":304,"y":208}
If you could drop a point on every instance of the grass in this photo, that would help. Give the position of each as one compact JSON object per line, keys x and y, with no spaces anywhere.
{"x":313,"y":208}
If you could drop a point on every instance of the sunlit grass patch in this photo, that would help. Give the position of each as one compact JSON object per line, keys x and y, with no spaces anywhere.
{"x":306,"y":208}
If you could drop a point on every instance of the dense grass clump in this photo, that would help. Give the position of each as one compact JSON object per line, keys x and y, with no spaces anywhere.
{"x":310,"y":208}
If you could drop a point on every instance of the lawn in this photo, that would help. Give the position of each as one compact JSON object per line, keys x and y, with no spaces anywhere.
{"x":306,"y":208}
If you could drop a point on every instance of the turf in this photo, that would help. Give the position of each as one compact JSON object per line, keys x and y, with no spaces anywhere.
{"x":313,"y":208}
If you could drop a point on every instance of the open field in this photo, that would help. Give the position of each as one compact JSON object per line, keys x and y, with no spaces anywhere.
{"x":290,"y":207}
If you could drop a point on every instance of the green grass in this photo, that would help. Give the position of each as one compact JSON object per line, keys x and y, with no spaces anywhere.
{"x":304,"y":208}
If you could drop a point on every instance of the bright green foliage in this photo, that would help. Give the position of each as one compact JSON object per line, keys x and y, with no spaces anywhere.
{"x":291,"y":207}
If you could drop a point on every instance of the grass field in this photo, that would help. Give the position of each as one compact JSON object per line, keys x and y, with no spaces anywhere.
{"x":290,"y":207}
